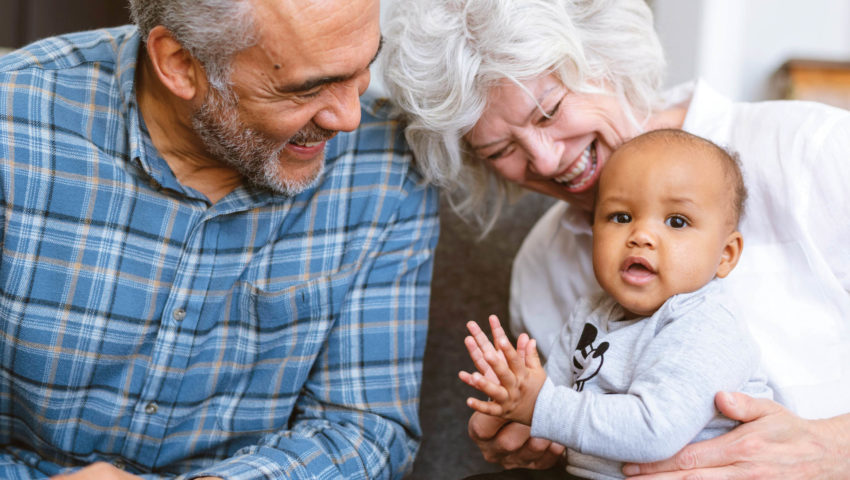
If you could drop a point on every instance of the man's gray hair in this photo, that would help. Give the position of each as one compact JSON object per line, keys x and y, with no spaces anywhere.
{"x":441,"y":57}
{"x":213,"y":31}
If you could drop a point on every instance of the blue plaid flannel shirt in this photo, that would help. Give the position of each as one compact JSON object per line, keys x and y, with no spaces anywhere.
{"x":259,"y":337}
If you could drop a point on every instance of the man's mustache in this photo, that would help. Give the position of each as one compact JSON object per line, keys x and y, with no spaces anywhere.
{"x":312,"y":134}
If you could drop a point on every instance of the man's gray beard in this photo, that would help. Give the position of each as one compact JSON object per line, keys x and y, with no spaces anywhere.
{"x":255,"y":156}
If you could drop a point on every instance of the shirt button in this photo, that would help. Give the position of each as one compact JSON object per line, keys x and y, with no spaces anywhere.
{"x":179,"y":314}
{"x":151,"y":408}
{"x":119,"y":464}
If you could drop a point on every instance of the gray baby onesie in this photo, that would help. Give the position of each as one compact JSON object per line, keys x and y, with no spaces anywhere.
{"x":640,"y":390}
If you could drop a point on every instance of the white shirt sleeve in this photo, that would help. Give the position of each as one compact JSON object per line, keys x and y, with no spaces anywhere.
{"x":825,"y":211}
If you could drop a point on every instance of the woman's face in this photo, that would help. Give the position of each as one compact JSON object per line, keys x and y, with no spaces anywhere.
{"x":558,"y":149}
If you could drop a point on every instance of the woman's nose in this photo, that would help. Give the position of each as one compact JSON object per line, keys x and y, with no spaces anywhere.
{"x":544,"y":157}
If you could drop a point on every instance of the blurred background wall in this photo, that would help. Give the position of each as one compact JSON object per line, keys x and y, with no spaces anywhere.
{"x":739,"y":45}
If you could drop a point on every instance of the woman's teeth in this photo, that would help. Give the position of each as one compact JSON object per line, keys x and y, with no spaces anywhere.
{"x":584,"y":168}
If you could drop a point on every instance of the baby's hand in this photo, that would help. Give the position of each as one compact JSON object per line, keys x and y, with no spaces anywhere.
{"x":476,"y":344}
{"x":511,"y":378}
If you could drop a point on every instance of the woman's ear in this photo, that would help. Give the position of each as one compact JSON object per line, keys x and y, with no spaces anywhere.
{"x":731,"y":253}
{"x":174,"y":66}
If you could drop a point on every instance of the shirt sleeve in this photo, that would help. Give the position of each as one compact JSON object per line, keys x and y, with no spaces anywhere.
{"x":825,"y":206}
{"x":357,"y":414}
{"x":670,"y":398}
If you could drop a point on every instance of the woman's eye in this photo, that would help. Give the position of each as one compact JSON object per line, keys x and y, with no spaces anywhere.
{"x":551,"y":113}
{"x":676,"y":221}
{"x":620,"y":217}
{"x":500,"y":154}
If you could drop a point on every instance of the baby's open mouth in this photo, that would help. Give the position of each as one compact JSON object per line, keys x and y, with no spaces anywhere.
{"x":638,"y":268}
{"x":637,"y":271}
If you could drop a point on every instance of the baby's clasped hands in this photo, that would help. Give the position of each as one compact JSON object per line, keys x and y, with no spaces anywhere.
{"x":511,"y":377}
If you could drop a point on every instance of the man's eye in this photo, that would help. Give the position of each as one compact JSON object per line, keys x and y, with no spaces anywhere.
{"x":620,"y":217}
{"x":310,"y":94}
{"x":677,"y":221}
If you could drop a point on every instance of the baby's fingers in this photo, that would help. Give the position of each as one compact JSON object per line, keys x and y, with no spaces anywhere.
{"x":497,"y":330}
{"x":502,"y":370}
{"x":476,"y":354}
{"x":483,"y":385}
{"x":488,"y":408}
{"x":480,"y":337}
{"x":532,"y":358}
{"x":521,"y":344}
{"x":513,"y":360}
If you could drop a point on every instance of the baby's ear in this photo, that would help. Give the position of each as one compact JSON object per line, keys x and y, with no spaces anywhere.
{"x":731,"y":253}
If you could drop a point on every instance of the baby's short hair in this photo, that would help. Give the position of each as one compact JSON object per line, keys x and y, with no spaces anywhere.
{"x":729,"y":160}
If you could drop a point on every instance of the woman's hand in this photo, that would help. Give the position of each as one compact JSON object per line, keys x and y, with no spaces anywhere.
{"x":510,"y":444}
{"x":772,"y":443}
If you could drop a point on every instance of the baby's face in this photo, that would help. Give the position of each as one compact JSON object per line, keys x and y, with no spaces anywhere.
{"x":662,"y":225}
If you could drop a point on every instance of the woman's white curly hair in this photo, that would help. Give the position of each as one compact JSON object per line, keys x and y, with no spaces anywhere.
{"x":441,"y":57}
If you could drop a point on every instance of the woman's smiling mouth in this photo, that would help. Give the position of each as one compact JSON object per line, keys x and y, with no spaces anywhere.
{"x":582,"y":172}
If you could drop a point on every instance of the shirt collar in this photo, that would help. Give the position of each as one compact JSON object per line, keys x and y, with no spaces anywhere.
{"x":142,"y":151}
{"x":128,"y":55}
{"x":708,"y":114}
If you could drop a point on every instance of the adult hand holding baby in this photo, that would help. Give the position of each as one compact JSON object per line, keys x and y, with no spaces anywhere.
{"x":751,"y":451}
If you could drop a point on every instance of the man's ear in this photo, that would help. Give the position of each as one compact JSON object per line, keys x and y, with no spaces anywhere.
{"x":731,"y":253}
{"x":174,"y":66}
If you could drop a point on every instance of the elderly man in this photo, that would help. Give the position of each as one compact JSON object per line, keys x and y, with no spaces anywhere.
{"x":200,"y":276}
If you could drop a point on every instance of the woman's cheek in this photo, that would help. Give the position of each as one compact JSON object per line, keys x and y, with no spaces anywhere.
{"x":508,"y":170}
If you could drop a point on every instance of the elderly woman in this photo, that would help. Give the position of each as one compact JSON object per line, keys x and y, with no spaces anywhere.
{"x":537,"y":94}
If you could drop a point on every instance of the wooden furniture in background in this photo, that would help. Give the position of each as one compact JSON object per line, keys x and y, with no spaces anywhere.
{"x":817,"y":80}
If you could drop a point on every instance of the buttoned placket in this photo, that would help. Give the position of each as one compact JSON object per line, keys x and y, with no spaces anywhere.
{"x":162,"y":382}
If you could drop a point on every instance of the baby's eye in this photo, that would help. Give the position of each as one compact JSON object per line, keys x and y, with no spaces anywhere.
{"x":677,"y":221}
{"x":620,"y":217}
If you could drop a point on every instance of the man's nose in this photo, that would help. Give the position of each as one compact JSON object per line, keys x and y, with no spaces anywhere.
{"x":342,"y":109}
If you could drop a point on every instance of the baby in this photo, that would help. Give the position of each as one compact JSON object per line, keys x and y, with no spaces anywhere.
{"x":633,"y":375}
